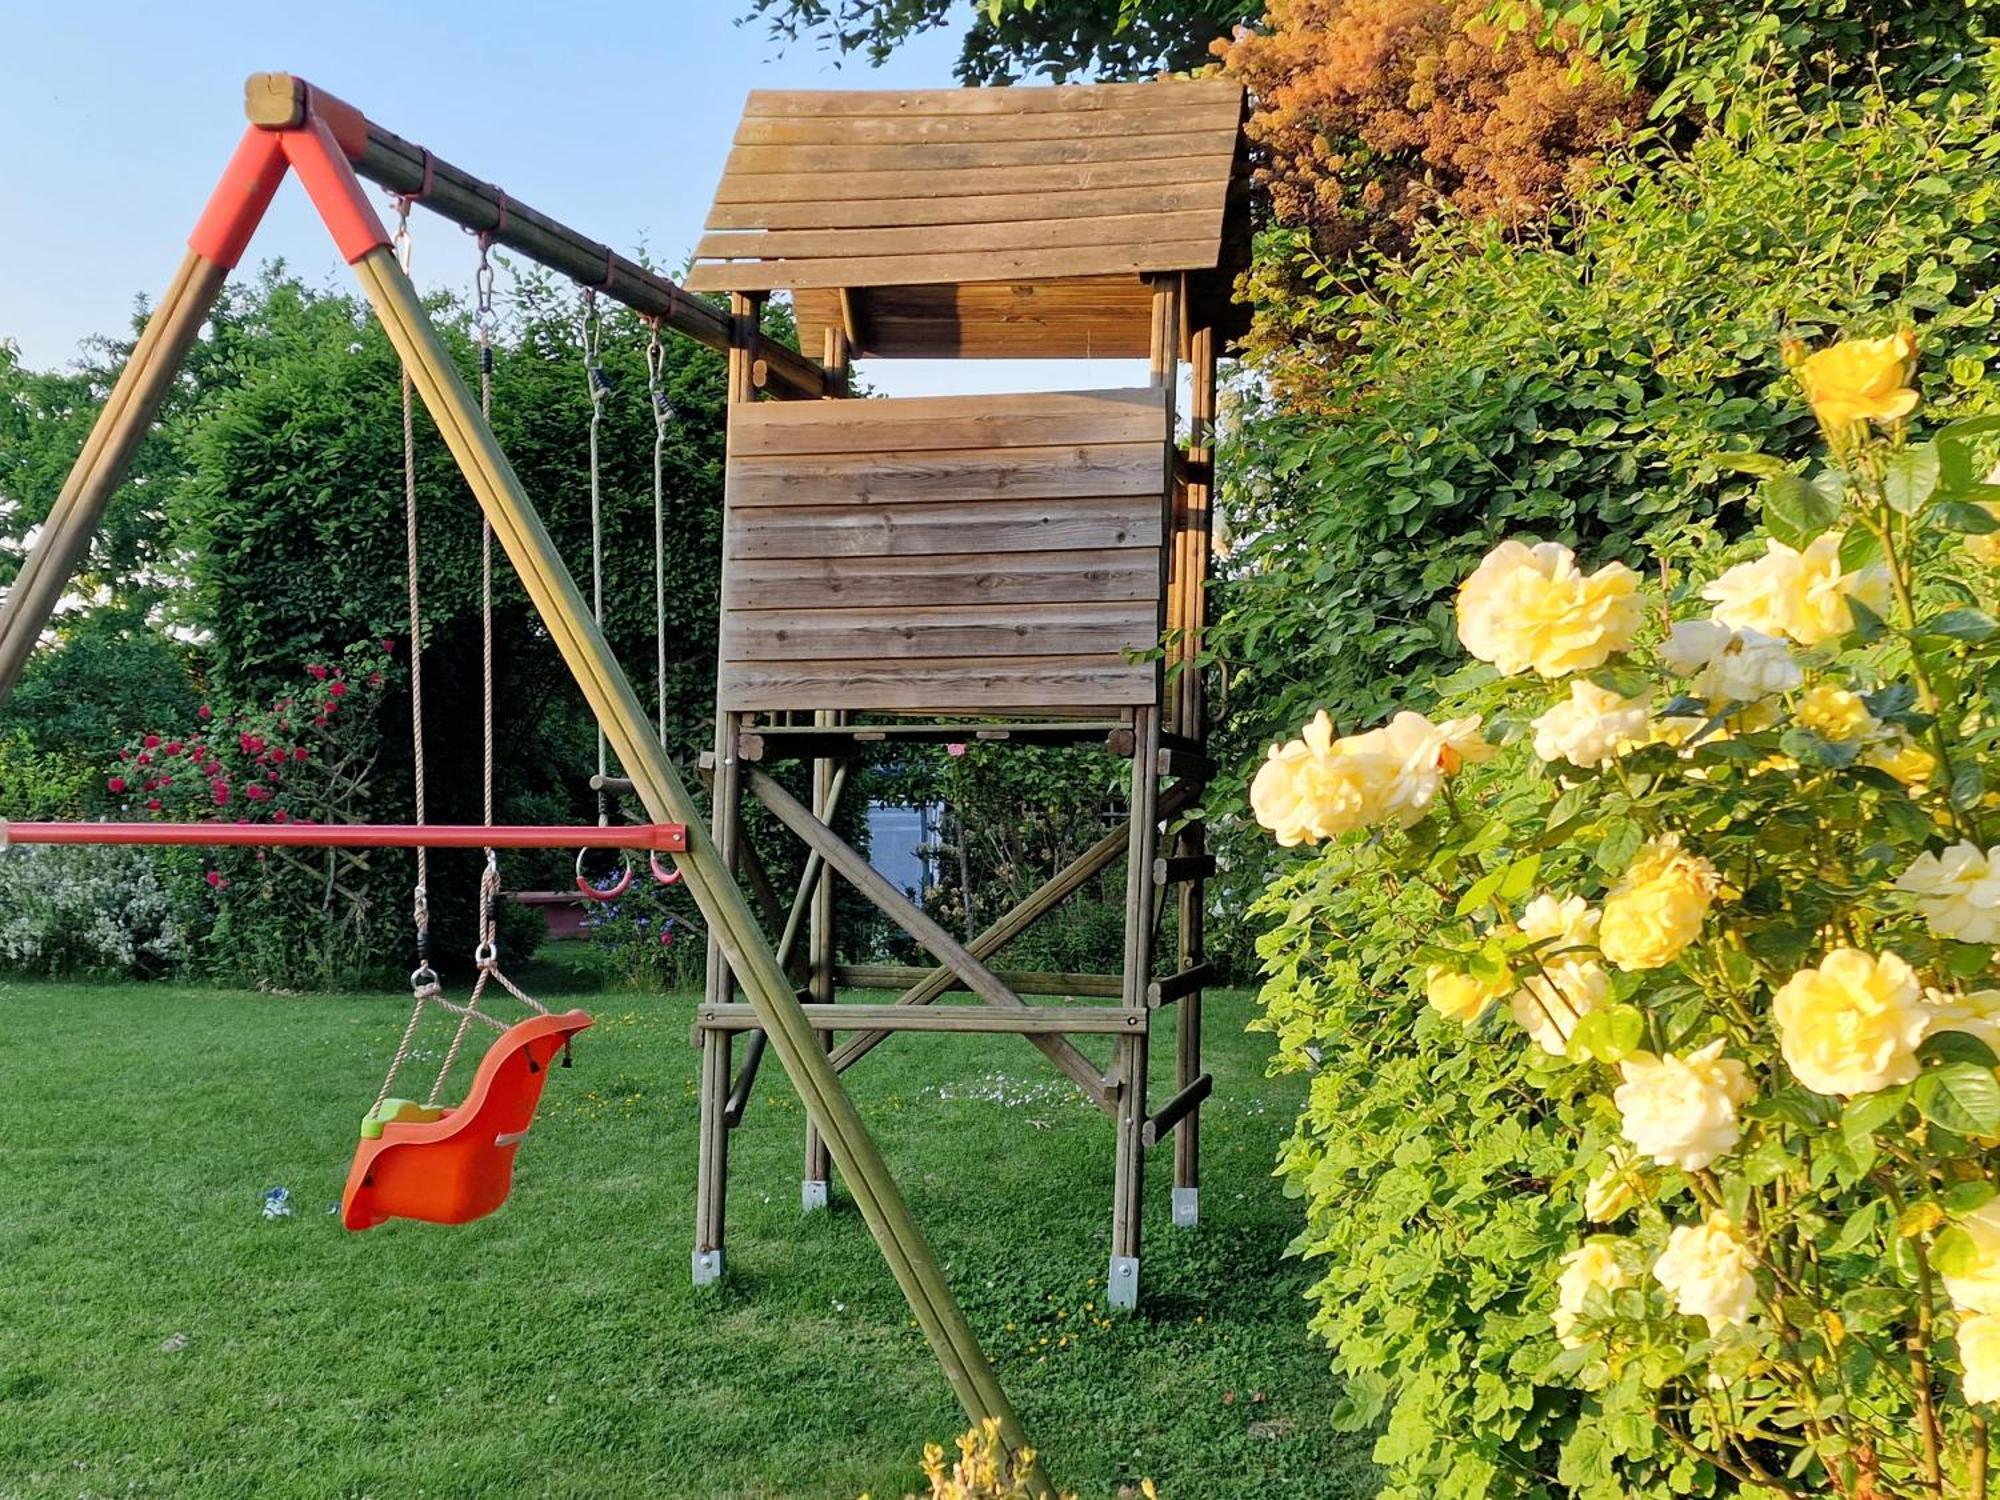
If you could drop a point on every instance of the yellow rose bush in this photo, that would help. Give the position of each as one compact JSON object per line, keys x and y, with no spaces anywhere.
{"x":1674,"y":916}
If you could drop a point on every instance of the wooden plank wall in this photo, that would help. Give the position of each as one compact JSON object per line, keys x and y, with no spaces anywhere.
{"x":945,"y":554}
{"x":868,"y":188}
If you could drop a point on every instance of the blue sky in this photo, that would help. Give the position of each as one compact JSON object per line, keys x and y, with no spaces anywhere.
{"x":614,"y":115}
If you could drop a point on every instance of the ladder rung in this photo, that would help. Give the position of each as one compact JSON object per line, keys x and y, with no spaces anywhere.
{"x":1171,"y":988}
{"x":1104,"y":1019}
{"x":1180,"y":867}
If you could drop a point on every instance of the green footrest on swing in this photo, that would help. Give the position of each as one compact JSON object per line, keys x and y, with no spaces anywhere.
{"x":397,"y":1112}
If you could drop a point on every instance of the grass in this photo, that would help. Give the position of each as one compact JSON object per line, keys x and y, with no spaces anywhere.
{"x":159,"y":1337}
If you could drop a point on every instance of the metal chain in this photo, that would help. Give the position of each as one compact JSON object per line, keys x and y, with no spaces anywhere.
{"x":600,"y":387}
{"x":663,"y":416}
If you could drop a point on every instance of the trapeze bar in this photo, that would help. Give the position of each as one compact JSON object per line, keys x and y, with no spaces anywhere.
{"x":283,"y":101}
{"x":668,"y":838}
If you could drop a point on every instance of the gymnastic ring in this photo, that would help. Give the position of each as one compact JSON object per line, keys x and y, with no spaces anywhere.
{"x":591,"y":892}
{"x":661,"y":874}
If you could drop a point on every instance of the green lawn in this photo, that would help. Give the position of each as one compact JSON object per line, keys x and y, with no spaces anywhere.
{"x":159,"y":1337}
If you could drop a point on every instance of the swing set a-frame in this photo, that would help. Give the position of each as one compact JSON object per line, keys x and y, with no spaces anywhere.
{"x":998,"y":568}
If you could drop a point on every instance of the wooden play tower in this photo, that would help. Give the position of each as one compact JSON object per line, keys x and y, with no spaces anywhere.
{"x":1020,"y":569}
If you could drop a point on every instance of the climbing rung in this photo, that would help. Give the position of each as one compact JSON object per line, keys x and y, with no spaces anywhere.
{"x":1161,"y":1125}
{"x":1186,"y":765}
{"x":1104,"y":1019}
{"x":1166,"y":991}
{"x":1183,"y":867}
{"x":1021,"y":981}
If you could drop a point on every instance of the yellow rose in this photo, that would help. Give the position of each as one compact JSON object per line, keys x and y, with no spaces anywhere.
{"x":1592,"y":1266}
{"x":1657,"y":907}
{"x":1979,"y":1356}
{"x":1310,"y":789}
{"x":1681,"y":1111}
{"x":1835,"y":713}
{"x":1461,"y":997}
{"x":1902,"y":758}
{"x":1802,"y":595}
{"x":1420,"y":755}
{"x":1860,"y":380}
{"x":1976,"y":1289}
{"x":1593,"y":726}
{"x":1958,"y":892}
{"x":1709,"y":1272}
{"x":1532,"y":609}
{"x":1612,"y":1193}
{"x":1852,"y":1025}
{"x":1567,"y":982}
{"x":1984,"y":546}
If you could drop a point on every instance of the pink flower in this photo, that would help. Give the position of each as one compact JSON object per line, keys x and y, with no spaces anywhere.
{"x":151,"y":742}
{"x":174,"y":747}
{"x":143,"y":758}
{"x":271,"y":776}
{"x":249,"y":744}
{"x":317,"y":671}
{"x":279,"y":815}
{"x":220,"y":792}
{"x":338,"y":689}
{"x":299,"y":754}
{"x":215,"y":880}
{"x":320,"y":722}
{"x":955,"y":750}
{"x":210,"y":767}
{"x":153,"y":804}
{"x":374,"y":679}
{"x":257,"y":792}
{"x":115,"y":784}
{"x":124,"y":754}
{"x":388,"y":646}
{"x":204,"y":712}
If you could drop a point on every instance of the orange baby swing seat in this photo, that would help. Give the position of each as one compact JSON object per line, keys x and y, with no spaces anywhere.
{"x":459,"y":1165}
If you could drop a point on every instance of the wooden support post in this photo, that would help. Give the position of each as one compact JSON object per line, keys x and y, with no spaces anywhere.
{"x":609,"y":693}
{"x":843,"y":858}
{"x":99,"y":469}
{"x":708,"y":1261}
{"x":1191,"y":701}
{"x":815,"y":1188}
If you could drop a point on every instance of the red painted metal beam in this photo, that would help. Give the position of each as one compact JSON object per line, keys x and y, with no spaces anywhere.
{"x":669,"y":838}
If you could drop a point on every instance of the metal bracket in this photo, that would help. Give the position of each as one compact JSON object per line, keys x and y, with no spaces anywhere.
{"x":1122,"y":1292}
{"x":1187,"y":1207}
{"x":707,"y":1267}
{"x":812,"y":1197}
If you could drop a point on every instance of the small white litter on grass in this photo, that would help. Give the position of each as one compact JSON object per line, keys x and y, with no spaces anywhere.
{"x":1005,"y":1088}
{"x":278,"y":1203}
{"x":173,"y":1343}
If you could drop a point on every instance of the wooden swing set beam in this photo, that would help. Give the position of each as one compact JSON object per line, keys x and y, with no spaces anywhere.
{"x":283,"y":101}
{"x":310,"y":147}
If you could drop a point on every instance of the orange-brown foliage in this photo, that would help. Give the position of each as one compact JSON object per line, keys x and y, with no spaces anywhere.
{"x":1371,"y":112}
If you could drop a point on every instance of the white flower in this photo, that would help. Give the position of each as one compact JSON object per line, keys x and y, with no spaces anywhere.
{"x":1594,"y":727}
{"x":1801,"y":595}
{"x":1692,"y":644}
{"x":1958,"y":892}
{"x":1709,"y":1272}
{"x":1681,"y":1111}
{"x":1979,"y":1355}
{"x":1977,"y":1013}
{"x":1749,"y":668}
{"x":1570,"y":983}
{"x":1592,"y":1265}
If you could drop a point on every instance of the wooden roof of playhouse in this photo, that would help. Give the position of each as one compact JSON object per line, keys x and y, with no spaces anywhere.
{"x":983,"y":223}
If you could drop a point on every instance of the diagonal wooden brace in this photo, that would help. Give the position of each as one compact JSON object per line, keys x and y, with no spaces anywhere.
{"x":843,"y":857}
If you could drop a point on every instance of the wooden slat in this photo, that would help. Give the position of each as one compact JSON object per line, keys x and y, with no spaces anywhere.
{"x":895,"y":478}
{"x":916,"y":270}
{"x":1029,"y":233}
{"x":796,"y":103}
{"x":1159,"y":117}
{"x":890,"y":210}
{"x":1096,"y":682}
{"x":958,"y":630}
{"x":1101,"y":317}
{"x":1021,"y":981}
{"x":1041,"y":1020}
{"x":1217,"y":143}
{"x":1054,"y":577}
{"x":929,"y":423}
{"x":917,"y":530}
{"x":814,"y":187}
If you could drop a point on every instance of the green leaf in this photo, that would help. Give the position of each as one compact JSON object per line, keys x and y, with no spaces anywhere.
{"x":1969,"y":427}
{"x":1481,"y":892}
{"x":1518,"y":879}
{"x":1964,"y":516}
{"x":1620,"y":842}
{"x":1968,"y":785}
{"x":1955,"y":1253}
{"x":1868,"y":625}
{"x":1607,"y":1036}
{"x":1909,"y":476}
{"x":1963,"y":625}
{"x":1860,"y":1226}
{"x":1764,"y":465}
{"x":1869,"y":1113}
{"x":1956,"y":1047}
{"x":1859,"y":548}
{"x":1796,"y":511}
{"x":1811,"y":749}
{"x":1967,"y":1197}
{"x":1963,"y":1098}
